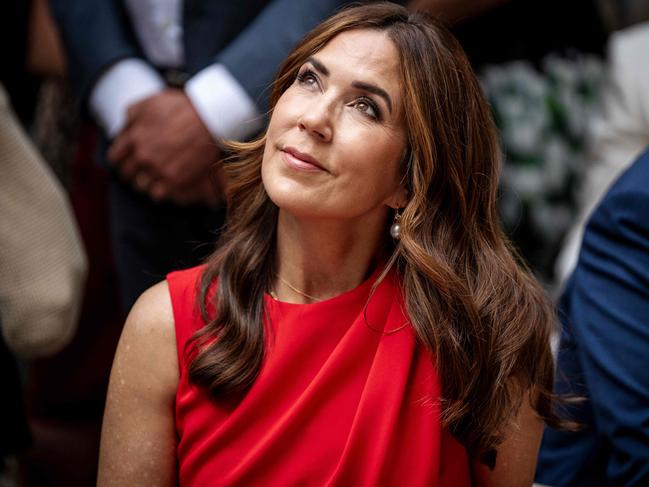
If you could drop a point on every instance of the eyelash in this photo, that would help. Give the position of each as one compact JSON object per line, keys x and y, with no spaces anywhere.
{"x":376,"y":113}
{"x":307,"y":73}
{"x":304,"y":76}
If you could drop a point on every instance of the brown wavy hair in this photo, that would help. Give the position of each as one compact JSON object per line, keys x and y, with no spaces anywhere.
{"x":484,"y":318}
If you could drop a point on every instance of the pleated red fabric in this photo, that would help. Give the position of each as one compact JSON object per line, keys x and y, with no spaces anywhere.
{"x":344,"y":398}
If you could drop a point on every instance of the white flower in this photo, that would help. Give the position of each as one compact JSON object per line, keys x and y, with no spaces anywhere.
{"x":526,"y":181}
{"x":543,"y":118}
{"x":557,"y":164}
{"x":551,"y":221}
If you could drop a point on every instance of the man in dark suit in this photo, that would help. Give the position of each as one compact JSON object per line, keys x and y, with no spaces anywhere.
{"x":604,"y":352}
{"x":167,"y":80}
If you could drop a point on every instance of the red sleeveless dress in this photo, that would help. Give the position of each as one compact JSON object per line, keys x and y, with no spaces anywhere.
{"x":344,"y":398}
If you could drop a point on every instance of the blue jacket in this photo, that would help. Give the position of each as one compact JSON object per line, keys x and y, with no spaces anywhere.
{"x":604,"y":352}
{"x":250,"y":37}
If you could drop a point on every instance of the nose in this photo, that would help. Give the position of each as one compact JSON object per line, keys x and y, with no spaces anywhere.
{"x":316,"y":120}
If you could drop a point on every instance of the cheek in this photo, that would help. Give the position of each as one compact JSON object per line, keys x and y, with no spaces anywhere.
{"x":281,"y":189}
{"x":374,"y":160}
{"x":268,"y":176}
{"x":272,"y":131}
{"x":278,"y":125}
{"x":284,"y":113}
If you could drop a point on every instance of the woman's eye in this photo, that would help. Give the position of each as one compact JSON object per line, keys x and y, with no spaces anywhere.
{"x":307,"y":78}
{"x":367,"y":107}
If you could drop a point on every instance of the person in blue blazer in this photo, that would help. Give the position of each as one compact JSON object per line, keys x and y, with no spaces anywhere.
{"x":604,"y":351}
{"x":167,"y":81}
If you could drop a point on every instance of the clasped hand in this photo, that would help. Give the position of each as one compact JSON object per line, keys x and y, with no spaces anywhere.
{"x":166,"y":151}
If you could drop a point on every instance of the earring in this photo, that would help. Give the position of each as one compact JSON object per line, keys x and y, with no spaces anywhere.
{"x":395,"y":229}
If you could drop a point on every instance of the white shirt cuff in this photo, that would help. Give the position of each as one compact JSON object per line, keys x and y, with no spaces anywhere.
{"x":122,"y":85}
{"x":223,"y":105}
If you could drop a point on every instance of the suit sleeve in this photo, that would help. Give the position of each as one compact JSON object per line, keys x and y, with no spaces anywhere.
{"x":255,"y":55}
{"x":96,"y":34}
{"x":610,"y":316}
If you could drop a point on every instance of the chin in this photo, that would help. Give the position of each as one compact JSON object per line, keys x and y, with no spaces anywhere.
{"x":287,"y":193}
{"x":296,"y":206}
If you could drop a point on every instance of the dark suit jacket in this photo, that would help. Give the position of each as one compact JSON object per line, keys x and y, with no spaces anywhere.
{"x":250,"y":37}
{"x":604,"y":353}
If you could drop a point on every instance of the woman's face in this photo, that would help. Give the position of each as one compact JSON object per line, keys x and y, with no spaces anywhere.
{"x":336,"y":137}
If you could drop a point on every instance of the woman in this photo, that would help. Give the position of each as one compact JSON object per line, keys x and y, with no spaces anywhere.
{"x":363,"y":321}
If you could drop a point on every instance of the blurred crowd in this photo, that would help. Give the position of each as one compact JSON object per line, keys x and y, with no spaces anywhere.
{"x":111,"y":117}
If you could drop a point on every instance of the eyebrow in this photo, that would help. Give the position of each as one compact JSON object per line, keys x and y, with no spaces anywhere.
{"x":361,"y":85}
{"x":318,"y":65}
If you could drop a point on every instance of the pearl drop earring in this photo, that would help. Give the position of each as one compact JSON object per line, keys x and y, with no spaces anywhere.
{"x":395,"y":229}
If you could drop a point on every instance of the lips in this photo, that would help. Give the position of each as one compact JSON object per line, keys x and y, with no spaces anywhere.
{"x":301,"y":160}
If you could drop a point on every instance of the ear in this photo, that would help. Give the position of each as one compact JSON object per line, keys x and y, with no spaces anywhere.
{"x":399,"y":198}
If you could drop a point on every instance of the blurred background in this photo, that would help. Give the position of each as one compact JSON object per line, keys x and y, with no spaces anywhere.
{"x":556,"y":76}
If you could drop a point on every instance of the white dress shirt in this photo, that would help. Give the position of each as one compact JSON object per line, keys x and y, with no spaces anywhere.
{"x":220,"y":101}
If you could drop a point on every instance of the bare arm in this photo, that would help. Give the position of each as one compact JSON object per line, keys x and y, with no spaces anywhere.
{"x":516,"y":459}
{"x":138,"y":440}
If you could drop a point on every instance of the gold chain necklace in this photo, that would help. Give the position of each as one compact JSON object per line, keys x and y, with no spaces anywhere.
{"x":293,"y":288}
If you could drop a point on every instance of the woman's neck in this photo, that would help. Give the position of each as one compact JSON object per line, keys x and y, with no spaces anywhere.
{"x":320,"y":259}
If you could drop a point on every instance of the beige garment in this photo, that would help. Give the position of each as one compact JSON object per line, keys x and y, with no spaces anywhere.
{"x":42,"y":261}
{"x":619,"y":134}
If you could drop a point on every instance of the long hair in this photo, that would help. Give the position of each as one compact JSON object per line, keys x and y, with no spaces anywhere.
{"x":485,"y":320}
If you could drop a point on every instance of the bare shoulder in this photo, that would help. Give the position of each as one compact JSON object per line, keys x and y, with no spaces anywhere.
{"x":152,"y":312}
{"x":148,"y":341}
{"x":138,"y":432}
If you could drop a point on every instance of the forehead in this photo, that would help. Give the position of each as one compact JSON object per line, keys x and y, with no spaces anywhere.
{"x":364,"y":43}
{"x":364,"y":55}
